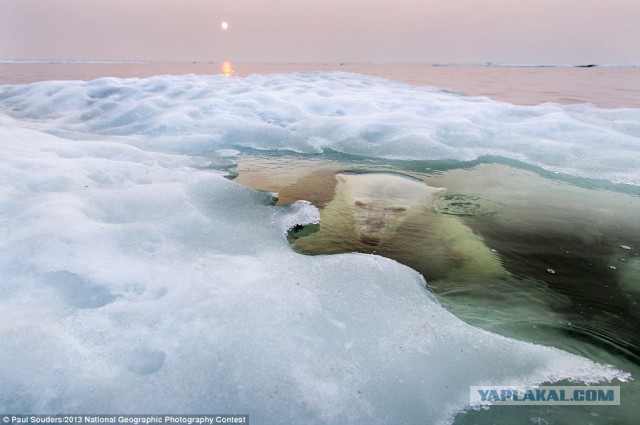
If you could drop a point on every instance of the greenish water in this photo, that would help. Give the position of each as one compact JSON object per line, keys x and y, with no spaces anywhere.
{"x":506,"y":249}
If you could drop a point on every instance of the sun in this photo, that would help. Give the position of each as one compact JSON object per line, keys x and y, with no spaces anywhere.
{"x":224,"y":25}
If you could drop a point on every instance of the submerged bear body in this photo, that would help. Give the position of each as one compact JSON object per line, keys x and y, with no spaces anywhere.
{"x":397,"y":216}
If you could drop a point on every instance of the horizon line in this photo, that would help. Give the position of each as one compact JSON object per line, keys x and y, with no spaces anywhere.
{"x":338,"y":63}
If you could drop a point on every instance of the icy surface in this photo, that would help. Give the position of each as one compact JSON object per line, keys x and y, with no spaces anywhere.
{"x":135,"y":278}
{"x":312,"y":112}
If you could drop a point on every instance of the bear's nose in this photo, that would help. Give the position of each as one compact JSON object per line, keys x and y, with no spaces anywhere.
{"x":370,"y":240}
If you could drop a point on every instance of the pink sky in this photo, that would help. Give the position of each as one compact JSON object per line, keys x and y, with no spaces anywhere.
{"x":408,"y":31}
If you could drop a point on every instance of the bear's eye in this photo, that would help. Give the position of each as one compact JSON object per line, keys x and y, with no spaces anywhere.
{"x":398,"y":209}
{"x":359,"y":204}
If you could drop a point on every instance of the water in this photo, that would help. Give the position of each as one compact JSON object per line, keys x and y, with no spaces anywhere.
{"x":602,"y":86}
{"x":557,"y":243}
{"x":517,"y":250}
{"x":521,"y":255}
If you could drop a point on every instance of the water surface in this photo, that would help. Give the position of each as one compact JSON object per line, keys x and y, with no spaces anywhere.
{"x":602,"y":86}
{"x":559,"y":263}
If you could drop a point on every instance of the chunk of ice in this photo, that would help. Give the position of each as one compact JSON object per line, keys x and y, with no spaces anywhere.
{"x":349,"y":113}
{"x":134,"y":280}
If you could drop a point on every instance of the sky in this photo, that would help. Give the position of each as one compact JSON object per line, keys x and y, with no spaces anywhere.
{"x":323,"y":31}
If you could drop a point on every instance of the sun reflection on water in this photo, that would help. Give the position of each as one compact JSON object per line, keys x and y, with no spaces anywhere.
{"x":227,"y":69}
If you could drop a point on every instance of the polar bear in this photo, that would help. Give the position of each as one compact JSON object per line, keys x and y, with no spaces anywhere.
{"x":381,"y":202}
{"x":398,"y":217}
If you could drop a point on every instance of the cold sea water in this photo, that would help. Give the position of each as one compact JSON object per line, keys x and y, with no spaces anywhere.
{"x":514,"y":192}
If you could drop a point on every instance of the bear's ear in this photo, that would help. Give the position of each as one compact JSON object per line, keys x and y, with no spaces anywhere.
{"x":439,"y":191}
{"x":360,"y":204}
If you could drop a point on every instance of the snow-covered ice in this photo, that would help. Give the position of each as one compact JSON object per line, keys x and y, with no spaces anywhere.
{"x":349,"y":113}
{"x":134,"y":277}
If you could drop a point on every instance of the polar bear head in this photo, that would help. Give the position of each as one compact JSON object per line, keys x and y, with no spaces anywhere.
{"x":380,"y":202}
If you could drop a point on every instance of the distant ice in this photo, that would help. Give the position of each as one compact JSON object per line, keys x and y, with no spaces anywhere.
{"x":349,"y":113}
{"x":62,"y":61}
{"x":136,"y":278}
